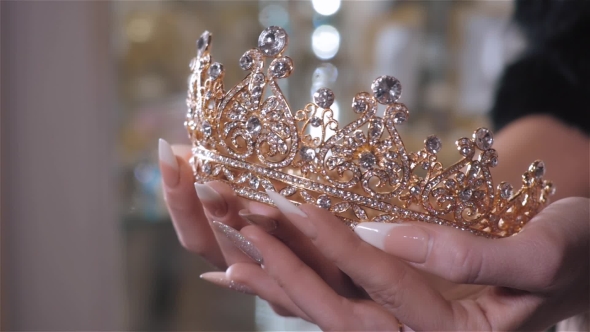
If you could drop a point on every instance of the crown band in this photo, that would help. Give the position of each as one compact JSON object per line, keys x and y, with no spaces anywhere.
{"x":360,"y":172}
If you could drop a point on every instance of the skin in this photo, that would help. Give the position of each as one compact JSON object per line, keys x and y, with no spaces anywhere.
{"x":534,"y":283}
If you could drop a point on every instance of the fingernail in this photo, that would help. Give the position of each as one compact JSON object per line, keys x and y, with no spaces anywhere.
{"x":407,"y":242}
{"x":301,"y":221}
{"x":211,"y":199}
{"x":264,"y":222}
{"x":167,"y":157}
{"x":219,"y":279}
{"x":239,"y":241}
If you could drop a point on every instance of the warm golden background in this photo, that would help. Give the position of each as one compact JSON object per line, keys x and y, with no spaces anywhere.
{"x":89,"y":87}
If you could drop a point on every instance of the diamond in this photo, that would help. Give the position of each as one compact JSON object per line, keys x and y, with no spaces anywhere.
{"x":490,"y":157}
{"x":246,"y":61}
{"x":206,"y":168}
{"x":415,"y":190}
{"x":272,"y":40}
{"x":203,"y":42}
{"x":215,"y":70}
{"x":433,"y":144}
{"x":307,"y":153}
{"x":505,"y":189}
{"x":253,"y":125}
{"x":367,"y":160}
{"x":316,"y":121}
{"x":465,"y":194}
{"x":324,"y":97}
{"x":538,"y":169}
{"x":386,"y":89}
{"x":375,"y":129}
{"x":207,"y":129}
{"x":450,"y":184}
{"x":281,"y":67}
{"x":483,"y":138}
{"x":324,"y":202}
{"x":359,"y":105}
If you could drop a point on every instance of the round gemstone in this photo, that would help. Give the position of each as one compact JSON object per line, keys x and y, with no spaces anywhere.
{"x":359,"y":105}
{"x":215,"y":70}
{"x":490,"y":157}
{"x":253,"y":125}
{"x":538,"y":169}
{"x":450,"y":184}
{"x":432,"y":144}
{"x":367,"y":160}
{"x":400,"y":117}
{"x":281,"y":67}
{"x":465,"y":151}
{"x":258,"y":77}
{"x":483,"y":138}
{"x":256,"y":91}
{"x":415,"y":190}
{"x":324,"y":97}
{"x":465,"y":194}
{"x":246,"y":61}
{"x":324,"y":202}
{"x":207,"y":129}
{"x":316,"y":121}
{"x":203,"y":42}
{"x":272,"y":40}
{"x":307,"y":153}
{"x":386,"y":89}
{"x":505,"y":189}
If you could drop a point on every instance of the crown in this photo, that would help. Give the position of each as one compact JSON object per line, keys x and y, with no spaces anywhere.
{"x":249,"y":138}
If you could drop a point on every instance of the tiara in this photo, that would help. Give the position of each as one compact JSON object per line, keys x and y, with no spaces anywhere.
{"x":249,"y":138}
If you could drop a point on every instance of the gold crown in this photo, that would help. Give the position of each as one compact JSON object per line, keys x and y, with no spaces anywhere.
{"x":360,"y":172}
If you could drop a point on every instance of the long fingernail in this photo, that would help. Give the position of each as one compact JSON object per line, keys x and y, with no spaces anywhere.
{"x":239,"y":241}
{"x":170,"y":175}
{"x":219,"y":279}
{"x":211,"y":199}
{"x":298,"y":217}
{"x":407,"y":242}
{"x":264,"y":222}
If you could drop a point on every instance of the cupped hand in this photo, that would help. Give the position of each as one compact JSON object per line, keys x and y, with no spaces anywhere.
{"x":533,"y":279}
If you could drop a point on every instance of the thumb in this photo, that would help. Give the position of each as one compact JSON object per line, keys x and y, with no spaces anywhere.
{"x":530,"y":260}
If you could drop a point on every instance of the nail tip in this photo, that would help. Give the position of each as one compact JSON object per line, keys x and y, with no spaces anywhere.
{"x":165,"y":153}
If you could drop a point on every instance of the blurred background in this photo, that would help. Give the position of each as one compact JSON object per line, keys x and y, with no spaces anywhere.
{"x":89,"y":87}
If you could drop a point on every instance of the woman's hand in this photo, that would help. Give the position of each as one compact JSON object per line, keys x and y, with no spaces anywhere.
{"x":534,"y":279}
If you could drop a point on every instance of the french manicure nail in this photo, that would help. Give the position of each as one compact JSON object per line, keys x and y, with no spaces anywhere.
{"x":264,"y":222}
{"x":166,"y":156}
{"x":219,"y":278}
{"x":239,"y":241}
{"x":408,"y":242}
{"x":301,"y":221}
{"x":212,"y":200}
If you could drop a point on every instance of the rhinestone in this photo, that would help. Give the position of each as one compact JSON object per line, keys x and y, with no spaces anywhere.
{"x":505,"y":189}
{"x":483,"y":138}
{"x":207,"y":129}
{"x":433,"y":144}
{"x":425,"y":165}
{"x":206,"y":168}
{"x":538,"y":169}
{"x":415,"y":190}
{"x":281,"y":67}
{"x":215,"y":70}
{"x":324,"y":97}
{"x":324,"y":202}
{"x":400,"y":117}
{"x":307,"y":153}
{"x":254,"y":182}
{"x":368,"y":160}
{"x":465,"y":194}
{"x":246,"y":61}
{"x":359,"y":105}
{"x":465,"y":151}
{"x":254,"y":126}
{"x":375,"y":129}
{"x":386,"y":89}
{"x":203,"y":42}
{"x":272,"y":40}
{"x":450,"y":184}
{"x":256,"y":92}
{"x":316,"y":121}
{"x":490,"y":157}
{"x":258,"y":77}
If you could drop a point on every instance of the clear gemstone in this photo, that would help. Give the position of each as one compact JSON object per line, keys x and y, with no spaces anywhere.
{"x":307,"y":153}
{"x":203,"y":42}
{"x":400,"y":117}
{"x":259,"y":77}
{"x":324,"y":97}
{"x":206,"y":168}
{"x":207,"y":129}
{"x":483,"y":138}
{"x":367,"y":160}
{"x":433,"y":144}
{"x":415,"y":190}
{"x":359,"y":106}
{"x":386,"y":89}
{"x":465,"y":194}
{"x":215,"y":70}
{"x":375,"y":129}
{"x":324,"y":202}
{"x":490,"y":157}
{"x":450,"y":184}
{"x":505,"y":189}
{"x":465,"y":151}
{"x":281,"y":67}
{"x":246,"y":62}
{"x":256,"y":92}
{"x":538,"y":169}
{"x":254,"y":126}
{"x":316,"y":121}
{"x":254,"y":182}
{"x":272,"y":40}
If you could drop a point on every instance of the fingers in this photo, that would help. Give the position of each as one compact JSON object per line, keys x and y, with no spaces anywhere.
{"x":185,"y":209}
{"x":530,"y":260}
{"x":388,"y":281}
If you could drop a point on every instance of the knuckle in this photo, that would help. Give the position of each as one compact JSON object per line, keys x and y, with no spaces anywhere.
{"x":551,"y":255}
{"x":389,"y":295}
{"x":279,"y":310}
{"x":466,"y":265}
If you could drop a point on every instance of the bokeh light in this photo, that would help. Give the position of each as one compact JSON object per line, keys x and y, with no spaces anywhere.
{"x":325,"y":41}
{"x":326,"y":7}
